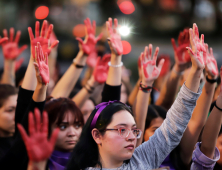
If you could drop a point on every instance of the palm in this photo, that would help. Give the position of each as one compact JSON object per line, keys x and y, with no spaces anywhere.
{"x":10,"y":50}
{"x":44,"y":71}
{"x":43,"y":42}
{"x":39,"y":146}
{"x":211,"y":63}
{"x":101,"y":74}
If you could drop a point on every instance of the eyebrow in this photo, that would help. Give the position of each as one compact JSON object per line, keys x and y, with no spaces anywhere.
{"x":66,"y":123}
{"x":122,"y":124}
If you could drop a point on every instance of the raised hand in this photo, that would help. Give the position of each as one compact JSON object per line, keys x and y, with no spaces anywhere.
{"x":10,"y":47}
{"x":180,"y":53}
{"x":150,"y":70}
{"x":100,"y":72}
{"x":198,"y":52}
{"x":211,"y":66}
{"x":43,"y":38}
{"x":41,"y":65}
{"x":2,"y":40}
{"x":18,"y":63}
{"x":89,"y":44}
{"x":114,"y":37}
{"x":38,"y":147}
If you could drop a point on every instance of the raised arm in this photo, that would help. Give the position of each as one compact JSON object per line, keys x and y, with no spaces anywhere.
{"x":11,"y":51}
{"x":38,"y":146}
{"x":182,"y":60}
{"x":200,"y":112}
{"x":99,"y":76}
{"x":65,"y":85}
{"x":149,"y":73}
{"x":168,"y":136}
{"x":43,"y":38}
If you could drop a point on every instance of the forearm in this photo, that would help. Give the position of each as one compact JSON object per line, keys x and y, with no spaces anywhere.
{"x":65,"y":85}
{"x":133,"y":94}
{"x":37,"y":165}
{"x":114,"y":73}
{"x":211,"y":130}
{"x":169,"y":90}
{"x":40,"y":93}
{"x":196,"y":123}
{"x":8,"y":76}
{"x":83,"y":94}
{"x":193,"y":80}
{"x":29,"y":83}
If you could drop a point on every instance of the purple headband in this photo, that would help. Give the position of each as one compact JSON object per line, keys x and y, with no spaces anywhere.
{"x":100,"y":108}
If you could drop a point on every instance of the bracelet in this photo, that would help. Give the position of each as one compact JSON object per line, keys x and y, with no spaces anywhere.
{"x":77,"y":65}
{"x":145,"y":88}
{"x":217,"y":107}
{"x":89,"y":91}
{"x":121,"y":64}
{"x":178,"y":73}
{"x":212,"y":81}
{"x":91,"y":88}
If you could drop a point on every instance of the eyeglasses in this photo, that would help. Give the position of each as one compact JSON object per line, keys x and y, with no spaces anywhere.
{"x":124,"y":132}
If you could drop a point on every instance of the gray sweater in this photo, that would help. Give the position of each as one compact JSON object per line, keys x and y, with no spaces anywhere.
{"x":152,"y":153}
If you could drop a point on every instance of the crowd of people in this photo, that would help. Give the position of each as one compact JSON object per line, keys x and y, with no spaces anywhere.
{"x":171,"y":119}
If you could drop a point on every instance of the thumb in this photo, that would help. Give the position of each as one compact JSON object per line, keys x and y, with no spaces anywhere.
{"x":54,"y":136}
{"x":80,"y":40}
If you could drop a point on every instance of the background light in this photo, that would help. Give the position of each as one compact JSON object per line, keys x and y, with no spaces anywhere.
{"x":124,"y":30}
{"x":126,"y":47}
{"x":127,"y":7}
{"x":42,"y":12}
{"x":79,"y":30}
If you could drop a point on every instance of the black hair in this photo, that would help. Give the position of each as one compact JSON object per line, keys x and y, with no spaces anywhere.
{"x":86,"y":153}
{"x":154,"y":111}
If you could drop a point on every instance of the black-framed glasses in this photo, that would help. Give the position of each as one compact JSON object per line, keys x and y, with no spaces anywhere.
{"x":124,"y":132}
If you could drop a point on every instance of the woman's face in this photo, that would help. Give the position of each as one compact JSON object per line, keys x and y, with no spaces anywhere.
{"x":69,"y":133}
{"x":219,"y":147}
{"x":7,"y":116}
{"x":87,"y":109}
{"x":113,"y":146}
{"x":155,"y":123}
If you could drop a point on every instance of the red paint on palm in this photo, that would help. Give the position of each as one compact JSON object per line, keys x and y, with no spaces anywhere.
{"x":91,"y":59}
{"x":100,"y":72}
{"x":211,"y":62}
{"x":10,"y":47}
{"x":41,"y":64}
{"x":150,"y":70}
{"x":18,"y":64}
{"x":198,"y":46}
{"x":38,"y":146}
{"x":181,"y":53}
{"x":114,"y":37}
{"x":89,"y":44}
{"x":43,"y":38}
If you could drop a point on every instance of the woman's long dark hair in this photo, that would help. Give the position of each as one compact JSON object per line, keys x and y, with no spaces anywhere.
{"x":86,"y":153}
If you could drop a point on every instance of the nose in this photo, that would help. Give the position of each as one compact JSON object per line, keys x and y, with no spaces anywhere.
{"x":131,"y":136}
{"x":71,"y":131}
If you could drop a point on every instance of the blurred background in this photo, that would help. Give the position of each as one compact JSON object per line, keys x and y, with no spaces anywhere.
{"x":142,"y":22}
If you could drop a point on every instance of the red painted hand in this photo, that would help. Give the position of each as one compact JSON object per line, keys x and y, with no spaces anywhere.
{"x":41,"y":65}
{"x":180,"y":53}
{"x":211,"y":66}
{"x":18,"y":64}
{"x":91,"y":59}
{"x":100,"y":72}
{"x":2,"y":40}
{"x":38,"y":147}
{"x":43,"y":39}
{"x":114,"y":37}
{"x":10,"y":48}
{"x":198,"y":52}
{"x":150,"y":71}
{"x":89,"y":44}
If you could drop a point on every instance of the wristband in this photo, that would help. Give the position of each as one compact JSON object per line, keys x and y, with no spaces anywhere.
{"x":217,"y":107}
{"x":212,"y":81}
{"x":121,"y":64}
{"x":89,"y":91}
{"x":145,"y":88}
{"x":77,"y":65}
